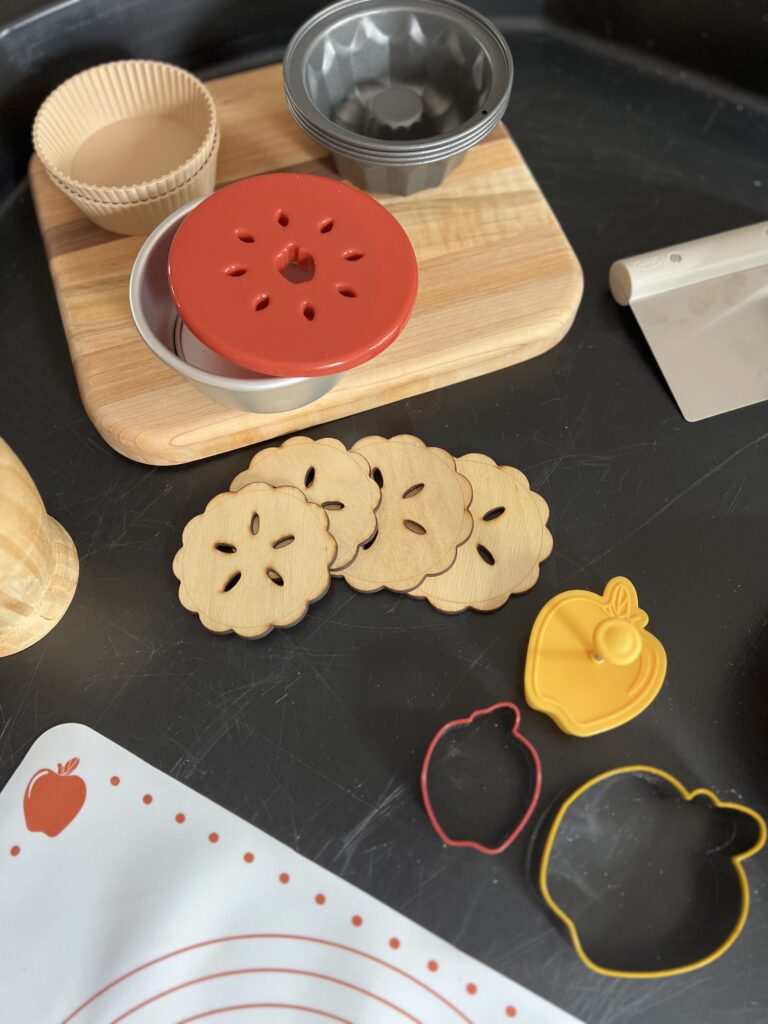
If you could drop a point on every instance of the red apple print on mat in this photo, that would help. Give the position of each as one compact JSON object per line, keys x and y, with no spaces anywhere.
{"x":54,"y":798}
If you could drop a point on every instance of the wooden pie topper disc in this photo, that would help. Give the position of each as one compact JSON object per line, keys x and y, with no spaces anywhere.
{"x":328,"y":475}
{"x":423,"y":517}
{"x":509,"y":540}
{"x":254,"y":560}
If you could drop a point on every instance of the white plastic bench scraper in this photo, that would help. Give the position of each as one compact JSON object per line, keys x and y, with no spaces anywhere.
{"x":703,"y":308}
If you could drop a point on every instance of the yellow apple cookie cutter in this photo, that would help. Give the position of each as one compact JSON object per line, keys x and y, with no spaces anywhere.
{"x":687,"y":795}
{"x":591,"y":664}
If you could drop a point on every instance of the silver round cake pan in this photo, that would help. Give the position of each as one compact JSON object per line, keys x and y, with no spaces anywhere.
{"x":165,"y":334}
{"x":397,"y":90}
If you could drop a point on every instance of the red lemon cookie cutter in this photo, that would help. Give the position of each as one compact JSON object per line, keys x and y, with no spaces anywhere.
{"x":535,"y":775}
{"x":293,"y":275}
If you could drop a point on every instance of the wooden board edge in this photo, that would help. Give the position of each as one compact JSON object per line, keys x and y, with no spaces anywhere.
{"x":159,"y":451}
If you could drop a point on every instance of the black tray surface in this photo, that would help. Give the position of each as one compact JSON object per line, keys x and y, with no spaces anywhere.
{"x":316,"y":734}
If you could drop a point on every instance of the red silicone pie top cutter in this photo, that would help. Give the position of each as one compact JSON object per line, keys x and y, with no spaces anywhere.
{"x":293,"y":275}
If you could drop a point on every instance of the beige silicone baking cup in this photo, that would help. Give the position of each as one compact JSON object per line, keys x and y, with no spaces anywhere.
{"x":142,"y":217}
{"x":117,"y":92}
{"x":72,"y":193}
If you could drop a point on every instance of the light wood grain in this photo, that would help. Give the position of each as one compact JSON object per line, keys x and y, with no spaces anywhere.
{"x":423,"y":517}
{"x":328,"y":475}
{"x":509,"y":540}
{"x":499,"y":283}
{"x":38,"y":561}
{"x":254,"y":560}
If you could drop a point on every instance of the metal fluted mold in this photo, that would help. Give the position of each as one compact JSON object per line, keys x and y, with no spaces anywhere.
{"x":397,"y":91}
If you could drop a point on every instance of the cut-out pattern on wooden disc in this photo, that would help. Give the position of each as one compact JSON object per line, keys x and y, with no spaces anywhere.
{"x":423,"y":517}
{"x":254,"y":559}
{"x":328,"y":475}
{"x":509,"y":540}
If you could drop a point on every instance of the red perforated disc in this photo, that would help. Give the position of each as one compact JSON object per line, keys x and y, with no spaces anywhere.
{"x":293,"y":275}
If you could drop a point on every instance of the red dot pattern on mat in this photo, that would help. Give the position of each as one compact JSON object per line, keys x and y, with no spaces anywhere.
{"x":320,"y":898}
{"x":511,"y":1011}
{"x":15,"y":851}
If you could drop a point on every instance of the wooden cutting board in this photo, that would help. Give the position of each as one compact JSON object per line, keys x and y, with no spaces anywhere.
{"x":499,"y":283}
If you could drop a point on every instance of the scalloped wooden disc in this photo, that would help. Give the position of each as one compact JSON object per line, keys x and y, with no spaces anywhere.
{"x":254,"y":559}
{"x":328,"y":475}
{"x":423,"y":517}
{"x":509,"y":540}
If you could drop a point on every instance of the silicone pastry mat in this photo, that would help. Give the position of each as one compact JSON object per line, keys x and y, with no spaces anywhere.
{"x":499,"y":283}
{"x":151,"y":904}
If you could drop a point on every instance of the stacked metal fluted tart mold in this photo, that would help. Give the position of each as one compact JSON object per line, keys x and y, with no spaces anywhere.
{"x":397,"y":91}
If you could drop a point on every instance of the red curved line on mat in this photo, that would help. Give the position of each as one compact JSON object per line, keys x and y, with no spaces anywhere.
{"x":264,"y":970}
{"x":266,"y":935}
{"x":266,"y":1006}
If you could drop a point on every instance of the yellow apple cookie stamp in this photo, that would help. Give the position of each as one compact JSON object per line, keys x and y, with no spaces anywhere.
{"x":591,"y":663}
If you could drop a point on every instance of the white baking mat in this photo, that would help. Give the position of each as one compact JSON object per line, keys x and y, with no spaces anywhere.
{"x":152,"y":905}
